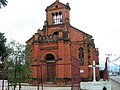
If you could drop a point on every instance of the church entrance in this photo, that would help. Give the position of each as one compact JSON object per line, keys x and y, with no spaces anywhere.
{"x":51,"y":67}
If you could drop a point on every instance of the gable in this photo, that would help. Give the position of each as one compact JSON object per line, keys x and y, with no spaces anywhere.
{"x":57,"y":5}
{"x":78,"y":35}
{"x":29,"y":42}
{"x":85,"y":34}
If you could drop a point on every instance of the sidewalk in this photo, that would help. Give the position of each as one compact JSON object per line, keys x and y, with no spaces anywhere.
{"x":114,"y":85}
{"x":115,"y":78}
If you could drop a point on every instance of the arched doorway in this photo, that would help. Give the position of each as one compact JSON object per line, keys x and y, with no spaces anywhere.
{"x":51,"y":67}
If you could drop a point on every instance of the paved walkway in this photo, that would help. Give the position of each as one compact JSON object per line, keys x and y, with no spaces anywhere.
{"x":115,"y":82}
{"x":116,"y":78}
{"x":114,"y":85}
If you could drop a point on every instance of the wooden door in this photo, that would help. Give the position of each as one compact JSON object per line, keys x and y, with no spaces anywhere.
{"x":51,"y":71}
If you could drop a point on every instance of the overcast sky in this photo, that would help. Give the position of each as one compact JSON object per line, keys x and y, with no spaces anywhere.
{"x":99,"y":18}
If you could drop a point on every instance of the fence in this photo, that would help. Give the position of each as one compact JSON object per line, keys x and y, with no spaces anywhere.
{"x":75,"y":74}
{"x":40,"y":84}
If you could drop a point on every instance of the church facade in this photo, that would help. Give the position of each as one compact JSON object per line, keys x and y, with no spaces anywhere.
{"x":53,"y":47}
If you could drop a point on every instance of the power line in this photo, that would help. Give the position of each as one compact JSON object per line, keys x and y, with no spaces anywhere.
{"x":115,"y":64}
{"x":114,"y":60}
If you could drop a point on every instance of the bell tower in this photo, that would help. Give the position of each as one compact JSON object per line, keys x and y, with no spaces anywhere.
{"x":58,"y":13}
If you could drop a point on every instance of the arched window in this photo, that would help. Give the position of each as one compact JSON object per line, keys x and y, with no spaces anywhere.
{"x":55,"y":35}
{"x":57,"y":18}
{"x":49,"y":57}
{"x":81,"y":55}
{"x":60,"y":16}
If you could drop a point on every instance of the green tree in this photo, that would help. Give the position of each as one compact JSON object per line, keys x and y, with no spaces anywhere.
{"x":3,"y":3}
{"x":17,"y":64}
{"x":3,"y":48}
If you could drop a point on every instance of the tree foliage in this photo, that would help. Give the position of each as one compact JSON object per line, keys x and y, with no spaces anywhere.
{"x":4,"y":50}
{"x":3,"y":3}
{"x":17,"y":64}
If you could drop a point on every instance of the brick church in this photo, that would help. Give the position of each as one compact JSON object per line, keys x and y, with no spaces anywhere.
{"x":54,"y":47}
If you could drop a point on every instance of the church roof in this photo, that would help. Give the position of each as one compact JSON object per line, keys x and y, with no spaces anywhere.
{"x":82,"y":32}
{"x":59,"y":3}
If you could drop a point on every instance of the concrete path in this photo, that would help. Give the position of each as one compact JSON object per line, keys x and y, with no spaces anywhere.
{"x":115,"y":85}
{"x":116,"y":78}
{"x":115,"y":82}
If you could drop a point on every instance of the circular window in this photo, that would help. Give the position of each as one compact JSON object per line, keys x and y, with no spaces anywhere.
{"x":56,"y":6}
